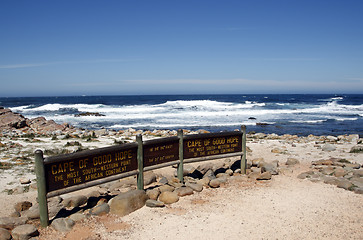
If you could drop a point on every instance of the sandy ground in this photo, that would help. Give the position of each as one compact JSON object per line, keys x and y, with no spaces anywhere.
{"x":284,"y":208}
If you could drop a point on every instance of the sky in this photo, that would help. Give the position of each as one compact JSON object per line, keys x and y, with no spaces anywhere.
{"x":125,"y":47}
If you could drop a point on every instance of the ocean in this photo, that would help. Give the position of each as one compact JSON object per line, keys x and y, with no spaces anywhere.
{"x":300,"y":114}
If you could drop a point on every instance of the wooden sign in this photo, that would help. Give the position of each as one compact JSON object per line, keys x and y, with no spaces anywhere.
{"x":203,"y":145}
{"x":161,"y":151}
{"x":78,"y":168}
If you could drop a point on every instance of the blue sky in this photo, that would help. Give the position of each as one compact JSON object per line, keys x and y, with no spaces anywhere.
{"x":50,"y":48}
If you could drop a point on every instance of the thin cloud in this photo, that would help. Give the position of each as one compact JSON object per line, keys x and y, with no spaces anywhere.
{"x":29,"y":65}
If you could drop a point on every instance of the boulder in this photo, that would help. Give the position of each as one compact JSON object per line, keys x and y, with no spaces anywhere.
{"x":126,"y":203}
{"x":63,"y":224}
{"x":169,"y":197}
{"x":154,"y":203}
{"x":12,"y":222}
{"x":4,"y":234}
{"x":24,"y":232}
{"x":42,"y":126}
{"x":184,"y":191}
{"x":254,"y":175}
{"x":209,"y":174}
{"x":8,"y":119}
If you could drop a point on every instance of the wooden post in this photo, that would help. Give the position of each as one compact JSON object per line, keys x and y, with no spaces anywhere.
{"x":244,"y":148}
{"x":42,"y":190}
{"x":140,"y":162}
{"x":181,"y":157}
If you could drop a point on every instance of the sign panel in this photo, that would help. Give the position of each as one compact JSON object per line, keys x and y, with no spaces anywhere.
{"x":74,"y":169}
{"x":161,"y":151}
{"x":211,"y":144}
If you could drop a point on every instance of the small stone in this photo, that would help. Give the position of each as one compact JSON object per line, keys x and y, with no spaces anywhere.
{"x":4,"y":234}
{"x":330,"y":180}
{"x":203,"y":181}
{"x":184,"y":191}
{"x":154,"y":203}
{"x":24,"y":232}
{"x":77,"y":217}
{"x":195,"y":186}
{"x":63,"y":224}
{"x":75,"y":201}
{"x":100,"y":210}
{"x":256,"y":161}
{"x":149,"y":178}
{"x":166,"y":188}
{"x":169,"y":197}
{"x":153,"y":193}
{"x":358,"y":190}
{"x":328,"y":147}
{"x":269,"y":167}
{"x":358,"y":172}
{"x":22,"y":206}
{"x":163,"y":180}
{"x":229,"y":172}
{"x":254,"y":175}
{"x":264,"y":176}
{"x":215,"y":183}
{"x":24,"y":180}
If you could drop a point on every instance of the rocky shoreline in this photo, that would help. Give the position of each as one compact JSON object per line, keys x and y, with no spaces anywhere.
{"x":329,"y":159}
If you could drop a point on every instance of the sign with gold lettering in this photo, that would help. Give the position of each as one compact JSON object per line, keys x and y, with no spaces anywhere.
{"x":157,"y":152}
{"x":77,"y":168}
{"x":211,"y":144}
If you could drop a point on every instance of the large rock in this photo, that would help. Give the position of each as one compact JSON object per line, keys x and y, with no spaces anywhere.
{"x":169,"y":197}
{"x":166,"y":188}
{"x":63,"y":224}
{"x":43,"y":126}
{"x":126,"y":203}
{"x":149,"y":178}
{"x":344,"y":183}
{"x":8,"y":119}
{"x":357,"y":149}
{"x":24,"y":232}
{"x":11,"y":222}
{"x":4,"y":234}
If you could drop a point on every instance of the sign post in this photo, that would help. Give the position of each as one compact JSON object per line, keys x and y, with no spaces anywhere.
{"x":181,"y":157}
{"x":42,"y":189}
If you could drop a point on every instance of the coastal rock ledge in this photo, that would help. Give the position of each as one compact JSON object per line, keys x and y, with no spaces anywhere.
{"x":10,"y":121}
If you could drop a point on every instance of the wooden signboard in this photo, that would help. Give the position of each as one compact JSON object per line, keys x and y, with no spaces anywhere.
{"x":78,"y":168}
{"x":161,"y":151}
{"x":204,"y":145}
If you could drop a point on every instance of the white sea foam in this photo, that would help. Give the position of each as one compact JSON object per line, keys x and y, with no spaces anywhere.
{"x":193,"y":113}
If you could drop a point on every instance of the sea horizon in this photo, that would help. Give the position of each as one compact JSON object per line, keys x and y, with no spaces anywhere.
{"x":301,"y":114}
